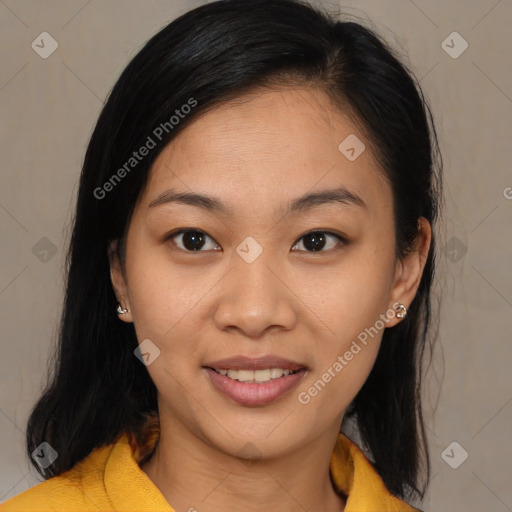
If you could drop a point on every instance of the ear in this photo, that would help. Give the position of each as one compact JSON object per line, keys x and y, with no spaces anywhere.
{"x":409,"y":270}
{"x":119,"y":282}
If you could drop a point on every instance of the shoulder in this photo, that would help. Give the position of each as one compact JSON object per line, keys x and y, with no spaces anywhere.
{"x":79,"y":489}
{"x":54,"y":494}
{"x":109,"y":478}
{"x":355,"y":476}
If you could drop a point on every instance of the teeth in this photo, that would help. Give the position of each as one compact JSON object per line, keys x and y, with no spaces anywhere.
{"x":233,"y":374}
{"x":275,"y":373}
{"x":255,"y":375}
{"x":261,"y":375}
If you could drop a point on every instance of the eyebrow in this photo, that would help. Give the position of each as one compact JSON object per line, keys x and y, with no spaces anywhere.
{"x":339,"y":195}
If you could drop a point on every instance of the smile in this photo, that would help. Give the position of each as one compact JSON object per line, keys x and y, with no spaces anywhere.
{"x":264,"y":375}
{"x":247,"y":390}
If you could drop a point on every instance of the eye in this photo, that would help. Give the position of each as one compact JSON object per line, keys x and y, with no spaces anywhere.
{"x":315,"y":241}
{"x":193,"y":239}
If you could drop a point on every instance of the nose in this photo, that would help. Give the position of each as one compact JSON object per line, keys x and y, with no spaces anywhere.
{"x":256,"y":298}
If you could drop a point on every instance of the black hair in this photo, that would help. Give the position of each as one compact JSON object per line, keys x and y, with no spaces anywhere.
{"x":206,"y":57}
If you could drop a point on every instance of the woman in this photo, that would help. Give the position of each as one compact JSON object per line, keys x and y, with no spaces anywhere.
{"x":250,"y":267}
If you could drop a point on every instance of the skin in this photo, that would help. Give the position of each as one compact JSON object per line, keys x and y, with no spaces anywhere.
{"x":256,"y":154}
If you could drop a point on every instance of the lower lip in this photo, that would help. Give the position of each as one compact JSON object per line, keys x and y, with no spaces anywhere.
{"x":251,"y":393}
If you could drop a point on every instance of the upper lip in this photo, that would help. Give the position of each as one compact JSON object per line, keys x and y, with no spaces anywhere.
{"x":255,"y":363}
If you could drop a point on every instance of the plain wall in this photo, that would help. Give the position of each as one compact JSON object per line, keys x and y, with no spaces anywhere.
{"x":48,"y":110}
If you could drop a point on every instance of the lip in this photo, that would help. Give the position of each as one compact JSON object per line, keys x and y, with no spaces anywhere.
{"x":241,"y":362}
{"x":252,"y":393}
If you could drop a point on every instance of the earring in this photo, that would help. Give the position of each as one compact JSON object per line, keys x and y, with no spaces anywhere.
{"x":401,"y":311}
{"x":121,"y":310}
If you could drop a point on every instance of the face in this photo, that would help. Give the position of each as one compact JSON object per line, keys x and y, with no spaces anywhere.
{"x":255,"y":279}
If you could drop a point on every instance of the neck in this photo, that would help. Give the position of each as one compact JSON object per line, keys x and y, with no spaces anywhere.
{"x":194,"y":475}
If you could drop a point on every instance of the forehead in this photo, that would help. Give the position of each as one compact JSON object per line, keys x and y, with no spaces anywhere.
{"x":269,"y":145}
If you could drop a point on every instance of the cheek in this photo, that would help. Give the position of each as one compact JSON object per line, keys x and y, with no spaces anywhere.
{"x":350,"y":305}
{"x":342,"y":369}
{"x":163,"y":298}
{"x":348,"y":298}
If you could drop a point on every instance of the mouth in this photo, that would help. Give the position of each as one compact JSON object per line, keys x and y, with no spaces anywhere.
{"x":255,"y":381}
{"x":264,"y":375}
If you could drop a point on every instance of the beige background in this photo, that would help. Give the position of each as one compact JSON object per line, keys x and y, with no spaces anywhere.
{"x":48,"y":109}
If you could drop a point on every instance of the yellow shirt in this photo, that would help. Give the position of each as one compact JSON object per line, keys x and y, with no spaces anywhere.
{"x":110,"y":479}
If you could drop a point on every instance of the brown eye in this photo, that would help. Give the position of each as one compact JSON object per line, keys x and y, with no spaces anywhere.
{"x":316,"y":241}
{"x":191,"y":240}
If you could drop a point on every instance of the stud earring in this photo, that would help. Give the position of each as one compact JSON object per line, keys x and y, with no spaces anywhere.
{"x":121,"y":310}
{"x":401,"y":311}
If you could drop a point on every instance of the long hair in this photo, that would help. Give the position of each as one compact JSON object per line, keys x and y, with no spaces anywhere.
{"x":97,"y":388}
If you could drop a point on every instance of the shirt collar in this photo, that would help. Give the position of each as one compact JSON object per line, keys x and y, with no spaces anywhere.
{"x":351,"y":473}
{"x":354,"y":475}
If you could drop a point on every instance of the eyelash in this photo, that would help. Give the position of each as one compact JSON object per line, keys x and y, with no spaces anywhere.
{"x":341,"y":238}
